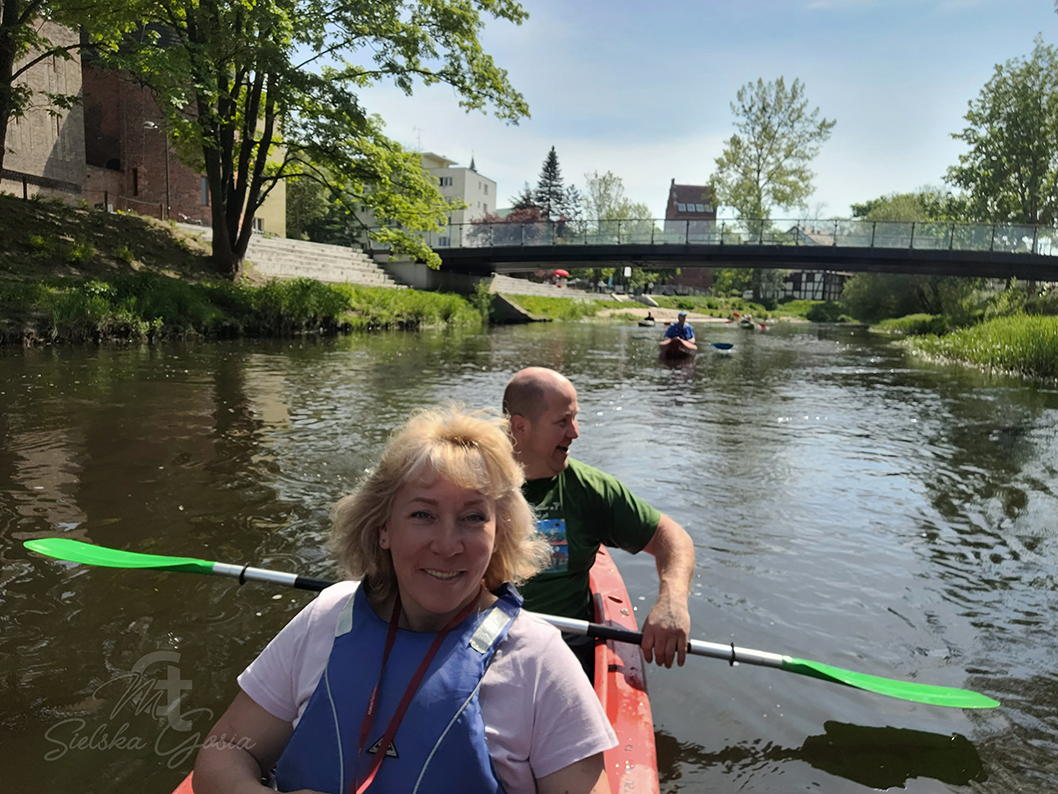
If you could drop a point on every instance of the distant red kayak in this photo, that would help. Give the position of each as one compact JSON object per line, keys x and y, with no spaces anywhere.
{"x":677,"y":348}
{"x":620,"y":683}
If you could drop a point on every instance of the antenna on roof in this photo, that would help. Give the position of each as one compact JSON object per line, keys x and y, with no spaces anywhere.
{"x":418,"y":136}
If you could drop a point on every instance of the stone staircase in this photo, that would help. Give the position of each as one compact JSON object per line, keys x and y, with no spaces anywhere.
{"x":283,"y":258}
{"x":509,"y":285}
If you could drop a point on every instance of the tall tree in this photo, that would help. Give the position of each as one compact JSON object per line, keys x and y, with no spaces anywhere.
{"x":523,"y":200}
{"x":765,"y":163}
{"x":604,"y":194}
{"x":550,"y":194}
{"x":248,"y":89}
{"x":1011,"y":170}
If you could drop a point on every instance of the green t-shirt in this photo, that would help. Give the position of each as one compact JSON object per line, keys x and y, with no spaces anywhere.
{"x":577,"y":511}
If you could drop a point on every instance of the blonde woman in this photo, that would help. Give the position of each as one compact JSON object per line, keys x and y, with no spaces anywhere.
{"x":424,"y":675}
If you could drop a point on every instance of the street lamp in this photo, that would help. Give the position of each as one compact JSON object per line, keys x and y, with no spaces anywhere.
{"x":150,"y":125}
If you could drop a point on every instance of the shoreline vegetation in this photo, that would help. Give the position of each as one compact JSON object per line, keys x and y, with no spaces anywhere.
{"x":71,"y":274}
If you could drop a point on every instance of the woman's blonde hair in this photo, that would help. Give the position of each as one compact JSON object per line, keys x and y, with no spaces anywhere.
{"x":468,"y":449}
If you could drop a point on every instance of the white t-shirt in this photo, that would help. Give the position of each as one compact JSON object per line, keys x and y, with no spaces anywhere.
{"x":540,"y":711}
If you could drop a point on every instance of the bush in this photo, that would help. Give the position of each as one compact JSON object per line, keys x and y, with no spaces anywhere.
{"x":828,"y":312}
{"x":914,"y":325}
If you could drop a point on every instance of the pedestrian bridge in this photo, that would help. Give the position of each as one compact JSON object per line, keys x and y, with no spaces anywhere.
{"x":1028,"y":253}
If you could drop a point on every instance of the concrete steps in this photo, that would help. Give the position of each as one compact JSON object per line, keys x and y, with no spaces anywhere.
{"x":278,"y":257}
{"x":518,"y":286}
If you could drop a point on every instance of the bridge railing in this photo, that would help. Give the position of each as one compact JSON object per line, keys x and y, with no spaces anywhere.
{"x":1009,"y":238}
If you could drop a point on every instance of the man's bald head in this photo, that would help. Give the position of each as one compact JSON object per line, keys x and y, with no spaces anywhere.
{"x":527,"y":391}
{"x":542,"y":406}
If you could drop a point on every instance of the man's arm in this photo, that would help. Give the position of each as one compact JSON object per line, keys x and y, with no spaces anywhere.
{"x":668,"y":626}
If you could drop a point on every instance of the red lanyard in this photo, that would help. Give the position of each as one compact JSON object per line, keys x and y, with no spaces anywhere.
{"x":369,"y":715}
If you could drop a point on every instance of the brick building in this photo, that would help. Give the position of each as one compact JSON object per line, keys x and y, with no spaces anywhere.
{"x":111,"y":149}
{"x":690,"y":215}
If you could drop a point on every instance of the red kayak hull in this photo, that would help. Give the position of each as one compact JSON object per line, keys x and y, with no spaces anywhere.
{"x":620,"y":683}
{"x":677,"y":348}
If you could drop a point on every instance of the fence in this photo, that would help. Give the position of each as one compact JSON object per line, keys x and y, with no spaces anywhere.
{"x":1009,"y":238}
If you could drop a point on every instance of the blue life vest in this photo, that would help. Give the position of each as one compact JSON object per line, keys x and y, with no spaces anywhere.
{"x":440,"y":744}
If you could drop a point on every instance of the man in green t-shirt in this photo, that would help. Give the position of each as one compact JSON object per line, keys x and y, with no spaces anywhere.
{"x":579,"y":507}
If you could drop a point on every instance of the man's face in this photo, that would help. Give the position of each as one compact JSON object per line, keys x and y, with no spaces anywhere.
{"x":681,"y":320}
{"x":542,"y":445}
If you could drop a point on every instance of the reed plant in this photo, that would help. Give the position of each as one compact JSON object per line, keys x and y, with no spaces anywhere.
{"x":1026,"y":345}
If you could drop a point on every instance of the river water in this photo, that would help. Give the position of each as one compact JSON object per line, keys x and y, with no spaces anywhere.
{"x":848,"y":505}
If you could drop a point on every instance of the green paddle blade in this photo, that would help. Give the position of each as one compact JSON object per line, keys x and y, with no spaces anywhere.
{"x":905,"y":690}
{"x":87,"y":554}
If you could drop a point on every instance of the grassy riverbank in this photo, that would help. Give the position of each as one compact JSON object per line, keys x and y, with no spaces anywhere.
{"x":74,"y":274}
{"x":149,"y":307}
{"x":1023,"y":344}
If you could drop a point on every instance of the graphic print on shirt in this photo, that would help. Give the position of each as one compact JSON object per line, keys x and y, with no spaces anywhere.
{"x":554,"y":530}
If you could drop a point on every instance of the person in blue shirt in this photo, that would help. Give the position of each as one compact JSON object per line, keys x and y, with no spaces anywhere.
{"x":681,"y":329}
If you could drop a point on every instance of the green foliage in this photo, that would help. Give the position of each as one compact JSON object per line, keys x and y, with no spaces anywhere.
{"x":42,"y":247}
{"x":80,"y":252}
{"x":124,"y":253}
{"x":1025,"y":345}
{"x":1011,"y":169}
{"x":272,"y":86}
{"x":731,"y":281}
{"x":913,"y":325}
{"x":765,"y":163}
{"x":1016,"y":299}
{"x":872,"y":297}
{"x":148,"y":307}
{"x":481,"y":300}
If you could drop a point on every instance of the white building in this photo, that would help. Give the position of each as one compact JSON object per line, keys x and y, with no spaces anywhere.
{"x":464,"y":184}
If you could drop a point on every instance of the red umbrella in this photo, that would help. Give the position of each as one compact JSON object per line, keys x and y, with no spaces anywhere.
{"x":562,"y":273}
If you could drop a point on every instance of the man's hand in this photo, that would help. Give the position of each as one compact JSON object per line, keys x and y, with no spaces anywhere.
{"x":668,"y":626}
{"x":666,"y":632}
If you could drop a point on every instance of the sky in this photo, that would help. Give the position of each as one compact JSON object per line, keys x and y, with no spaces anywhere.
{"x":644,"y":90}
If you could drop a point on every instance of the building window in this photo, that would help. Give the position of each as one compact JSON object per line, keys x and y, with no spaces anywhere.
{"x":486,"y":208}
{"x":700,"y":207}
{"x":258,"y":224}
{"x":446,"y":181}
{"x":486,"y":189}
{"x":681,"y":207}
{"x":810,"y":276}
{"x":443,"y":241}
{"x":135,"y":181}
{"x":205,"y":192}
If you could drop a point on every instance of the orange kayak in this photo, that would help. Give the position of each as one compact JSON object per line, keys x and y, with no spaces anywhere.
{"x":620,"y":683}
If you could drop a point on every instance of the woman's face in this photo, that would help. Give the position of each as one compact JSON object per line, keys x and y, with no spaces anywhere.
{"x":441,"y":539}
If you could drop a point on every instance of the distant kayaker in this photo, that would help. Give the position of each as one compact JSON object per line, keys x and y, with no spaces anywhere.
{"x":649,"y":317}
{"x":580,"y":507}
{"x":680,"y":329}
{"x":488,"y":695}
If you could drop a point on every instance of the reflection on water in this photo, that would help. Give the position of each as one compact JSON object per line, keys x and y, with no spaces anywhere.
{"x":879,"y":758}
{"x":847,"y":504}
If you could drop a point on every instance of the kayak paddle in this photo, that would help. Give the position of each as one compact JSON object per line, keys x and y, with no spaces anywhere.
{"x":89,"y":554}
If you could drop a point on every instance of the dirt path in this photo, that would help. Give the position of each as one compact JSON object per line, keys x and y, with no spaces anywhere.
{"x":660,"y":314}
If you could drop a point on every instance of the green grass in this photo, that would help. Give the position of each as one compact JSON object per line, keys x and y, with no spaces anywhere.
{"x":1024,"y":345}
{"x":913,"y":325}
{"x":148,"y":307}
{"x":567,"y":308}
